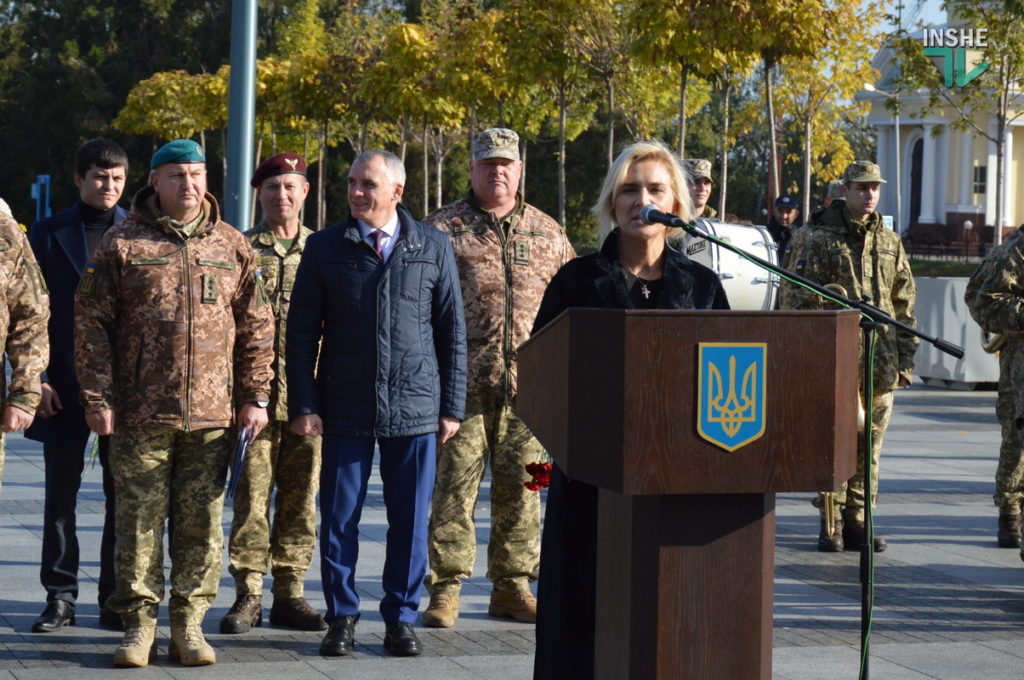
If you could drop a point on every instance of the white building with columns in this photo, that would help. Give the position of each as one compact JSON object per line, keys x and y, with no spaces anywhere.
{"x":946,"y":176}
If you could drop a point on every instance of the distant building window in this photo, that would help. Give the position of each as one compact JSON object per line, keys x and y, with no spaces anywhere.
{"x":980,"y":178}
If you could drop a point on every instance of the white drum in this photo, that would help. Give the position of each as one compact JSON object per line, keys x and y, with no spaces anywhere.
{"x":747,"y":285}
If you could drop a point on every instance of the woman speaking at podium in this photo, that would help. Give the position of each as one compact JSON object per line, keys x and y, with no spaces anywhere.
{"x":635,"y":269}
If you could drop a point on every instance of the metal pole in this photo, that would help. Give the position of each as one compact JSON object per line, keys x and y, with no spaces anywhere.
{"x":241,"y":113}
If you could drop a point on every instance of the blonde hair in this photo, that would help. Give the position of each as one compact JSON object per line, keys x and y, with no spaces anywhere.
{"x":635,"y":153}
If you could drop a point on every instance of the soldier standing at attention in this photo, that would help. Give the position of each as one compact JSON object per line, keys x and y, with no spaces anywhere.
{"x":850,"y":246}
{"x":173,"y":328}
{"x":277,"y":457}
{"x":698,"y":172}
{"x":506,"y":251}
{"x":994,"y":297}
{"x":23,"y":333}
{"x":63,"y":245}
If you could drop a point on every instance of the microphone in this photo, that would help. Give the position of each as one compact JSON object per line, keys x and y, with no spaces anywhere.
{"x":650,"y":214}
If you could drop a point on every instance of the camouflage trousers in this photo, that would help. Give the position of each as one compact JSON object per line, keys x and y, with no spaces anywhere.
{"x":277,"y":457}
{"x":1010,"y":471}
{"x":851,"y":493}
{"x":491,"y":432}
{"x":3,"y":448}
{"x":158,"y":471}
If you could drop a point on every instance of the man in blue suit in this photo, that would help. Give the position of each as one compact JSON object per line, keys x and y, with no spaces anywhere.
{"x":381,"y":291}
{"x":63,"y":245}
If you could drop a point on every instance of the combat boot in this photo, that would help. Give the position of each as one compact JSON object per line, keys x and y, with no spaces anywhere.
{"x":1009,"y":531}
{"x":855,"y":533}
{"x":833,"y":542}
{"x":518,"y":606}
{"x":443,"y":610}
{"x":138,"y":647}
{"x":189,"y":647}
{"x":296,"y":613}
{"x":246,"y":612}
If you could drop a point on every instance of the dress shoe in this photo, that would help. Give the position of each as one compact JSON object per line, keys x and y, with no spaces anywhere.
{"x":400,"y":640}
{"x":189,"y":648}
{"x":138,"y":647}
{"x":833,"y":542}
{"x":58,"y":613}
{"x":246,"y":612}
{"x":110,"y":619}
{"x":854,"y":535}
{"x":340,"y":638}
{"x":518,"y":606}
{"x":296,"y":613}
{"x":1009,"y":531}
{"x":443,"y":610}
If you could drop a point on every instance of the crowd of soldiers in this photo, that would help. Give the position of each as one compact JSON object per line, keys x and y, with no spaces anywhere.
{"x":176,"y":340}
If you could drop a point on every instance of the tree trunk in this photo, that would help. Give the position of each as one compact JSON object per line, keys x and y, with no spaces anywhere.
{"x":611,"y":120}
{"x":501,"y":113}
{"x":426,"y":166}
{"x":561,"y":151}
{"x":997,"y":238}
{"x":806,"y":211}
{"x":724,"y":167}
{"x":439,"y":164}
{"x":321,"y":178}
{"x":683,"y":78}
{"x":403,"y":138}
{"x":472,"y":128}
{"x":773,"y":145}
{"x":522,"y":175}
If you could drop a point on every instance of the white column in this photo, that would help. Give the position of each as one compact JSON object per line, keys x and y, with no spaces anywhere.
{"x":942,"y":164}
{"x":928,"y":192}
{"x":990,"y":178}
{"x":966,"y":169}
{"x":1008,"y":181}
{"x":882,"y":158}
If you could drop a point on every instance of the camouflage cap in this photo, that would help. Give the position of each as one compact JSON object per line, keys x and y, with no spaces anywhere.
{"x":835,"y":190}
{"x":496,"y":143}
{"x":862,"y":171}
{"x":178,"y":151}
{"x":697,"y":168}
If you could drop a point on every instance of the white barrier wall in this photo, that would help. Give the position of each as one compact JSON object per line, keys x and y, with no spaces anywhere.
{"x":941,"y":312}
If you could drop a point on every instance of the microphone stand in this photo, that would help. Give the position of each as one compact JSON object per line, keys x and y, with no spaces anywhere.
{"x":872,"y":319}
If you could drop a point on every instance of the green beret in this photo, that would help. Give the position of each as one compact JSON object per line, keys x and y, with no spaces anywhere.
{"x":178,"y":151}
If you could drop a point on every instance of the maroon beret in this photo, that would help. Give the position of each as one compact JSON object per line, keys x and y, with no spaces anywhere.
{"x":281,"y":164}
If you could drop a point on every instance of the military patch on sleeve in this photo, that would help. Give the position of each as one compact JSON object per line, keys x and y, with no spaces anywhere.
{"x":209,"y":289}
{"x":38,"y":281}
{"x":522,"y":252}
{"x":87,"y":284}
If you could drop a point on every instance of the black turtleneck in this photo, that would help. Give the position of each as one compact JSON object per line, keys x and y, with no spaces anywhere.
{"x":96,"y":222}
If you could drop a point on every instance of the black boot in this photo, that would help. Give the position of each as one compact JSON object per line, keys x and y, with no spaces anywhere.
{"x":1009,"y":531}
{"x":855,"y":533}
{"x":833,"y":543}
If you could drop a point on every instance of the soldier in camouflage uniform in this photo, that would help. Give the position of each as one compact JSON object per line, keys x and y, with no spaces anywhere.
{"x":277,"y":457}
{"x":23,"y":333}
{"x":850,"y":246}
{"x":698,"y":172}
{"x":993,"y":296}
{"x":173,"y":328}
{"x":506,"y":251}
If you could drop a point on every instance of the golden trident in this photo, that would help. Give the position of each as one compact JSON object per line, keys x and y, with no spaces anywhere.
{"x":732,"y":410}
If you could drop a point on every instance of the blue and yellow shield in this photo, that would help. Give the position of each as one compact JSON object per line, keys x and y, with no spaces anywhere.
{"x":731,"y":392}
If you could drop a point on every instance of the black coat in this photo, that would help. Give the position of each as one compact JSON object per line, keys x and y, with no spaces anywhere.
{"x":567,"y":588}
{"x":393,"y":356}
{"x":60,"y":247}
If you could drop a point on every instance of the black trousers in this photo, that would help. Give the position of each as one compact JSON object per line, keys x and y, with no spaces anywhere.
{"x":58,"y":571}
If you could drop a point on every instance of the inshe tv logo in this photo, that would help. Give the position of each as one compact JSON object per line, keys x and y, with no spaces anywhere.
{"x":948,"y":49}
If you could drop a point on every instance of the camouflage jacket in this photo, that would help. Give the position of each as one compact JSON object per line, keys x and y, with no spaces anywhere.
{"x":995,"y":291}
{"x":866,"y":259}
{"x":23,"y":318}
{"x":504,"y":267}
{"x":170,"y":327}
{"x":277,"y":269}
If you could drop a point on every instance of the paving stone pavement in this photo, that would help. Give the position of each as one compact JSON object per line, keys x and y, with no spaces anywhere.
{"x":949,"y":603}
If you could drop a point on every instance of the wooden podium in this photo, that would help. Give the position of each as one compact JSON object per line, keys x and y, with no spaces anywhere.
{"x":686,"y":528}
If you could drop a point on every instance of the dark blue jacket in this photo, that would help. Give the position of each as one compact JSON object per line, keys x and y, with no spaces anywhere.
{"x":59,"y":245}
{"x":393,"y":353}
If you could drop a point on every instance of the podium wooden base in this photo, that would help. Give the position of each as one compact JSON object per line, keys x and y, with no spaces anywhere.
{"x":684,"y":586}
